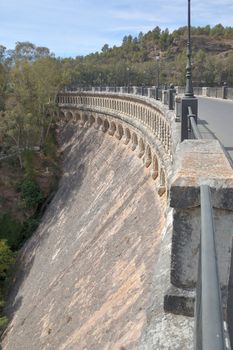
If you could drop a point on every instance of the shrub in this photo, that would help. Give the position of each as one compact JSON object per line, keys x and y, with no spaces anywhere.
{"x":10,"y":230}
{"x":30,"y":193}
{"x":29,"y":226}
{"x":29,"y":163}
{"x":6,"y":258}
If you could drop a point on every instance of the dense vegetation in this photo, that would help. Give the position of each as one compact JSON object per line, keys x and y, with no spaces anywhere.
{"x":31,"y":77}
{"x":138,"y":59}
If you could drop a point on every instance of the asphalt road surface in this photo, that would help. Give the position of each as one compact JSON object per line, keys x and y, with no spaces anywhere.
{"x":216,"y":121}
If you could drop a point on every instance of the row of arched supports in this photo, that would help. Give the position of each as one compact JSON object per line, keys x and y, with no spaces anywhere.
{"x":127,"y":134}
{"x":147,"y":114}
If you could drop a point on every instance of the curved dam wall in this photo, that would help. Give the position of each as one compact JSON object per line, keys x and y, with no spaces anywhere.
{"x":89,"y":277}
{"x":114,"y":263}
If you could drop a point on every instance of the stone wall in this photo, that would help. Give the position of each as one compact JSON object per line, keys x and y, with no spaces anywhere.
{"x":198,"y":162}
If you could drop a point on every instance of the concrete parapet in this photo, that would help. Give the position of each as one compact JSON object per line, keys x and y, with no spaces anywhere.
{"x":198,"y":162}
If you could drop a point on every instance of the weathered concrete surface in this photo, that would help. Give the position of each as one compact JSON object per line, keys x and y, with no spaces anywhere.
{"x":90,"y":277}
{"x":200,"y":162}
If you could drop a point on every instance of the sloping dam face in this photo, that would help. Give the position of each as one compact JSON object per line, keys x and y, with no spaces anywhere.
{"x":85,"y":279}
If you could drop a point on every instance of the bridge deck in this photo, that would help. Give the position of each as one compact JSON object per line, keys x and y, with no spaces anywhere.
{"x":216,"y":121}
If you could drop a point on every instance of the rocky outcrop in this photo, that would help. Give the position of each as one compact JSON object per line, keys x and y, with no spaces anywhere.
{"x":202,"y":42}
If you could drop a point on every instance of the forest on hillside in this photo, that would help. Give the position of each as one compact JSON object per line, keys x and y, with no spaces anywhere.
{"x":139,"y":59}
{"x":30,"y":79}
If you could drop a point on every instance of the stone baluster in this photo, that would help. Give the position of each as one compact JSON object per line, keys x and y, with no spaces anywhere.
{"x":141,"y":149}
{"x":112,"y":129}
{"x":154,"y":168}
{"x":119,"y":133}
{"x":148,"y":159}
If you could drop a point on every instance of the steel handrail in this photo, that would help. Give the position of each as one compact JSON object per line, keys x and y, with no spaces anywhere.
{"x":209,"y":331}
{"x":193,"y":124}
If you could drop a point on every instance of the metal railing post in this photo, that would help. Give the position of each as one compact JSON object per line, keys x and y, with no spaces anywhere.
{"x":171,"y":97}
{"x":224,"y":91}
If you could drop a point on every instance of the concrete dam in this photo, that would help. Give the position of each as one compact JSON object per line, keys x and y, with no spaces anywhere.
{"x":113,"y":265}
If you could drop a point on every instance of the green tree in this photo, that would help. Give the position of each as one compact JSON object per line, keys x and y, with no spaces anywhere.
{"x":217,"y":31}
{"x":6,"y":258}
{"x":30,"y":193}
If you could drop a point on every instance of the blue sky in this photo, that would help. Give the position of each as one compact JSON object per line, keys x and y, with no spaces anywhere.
{"x":78,"y":27}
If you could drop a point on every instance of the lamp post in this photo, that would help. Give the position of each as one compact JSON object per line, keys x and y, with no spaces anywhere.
{"x":100,"y":79}
{"x":189,"y":100}
{"x":158,"y":73}
{"x":127,"y":70}
{"x":158,"y":70}
{"x":189,"y":84}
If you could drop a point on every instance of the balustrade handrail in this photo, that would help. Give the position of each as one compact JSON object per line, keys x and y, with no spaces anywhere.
{"x":149,"y":114}
{"x":165,"y":95}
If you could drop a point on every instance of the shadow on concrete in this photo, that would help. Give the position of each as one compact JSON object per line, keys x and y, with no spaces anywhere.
{"x":204,"y":129}
{"x":202,"y":122}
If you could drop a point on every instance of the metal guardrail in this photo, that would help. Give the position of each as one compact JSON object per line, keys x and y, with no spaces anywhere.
{"x":193,"y":124}
{"x":209,"y":330}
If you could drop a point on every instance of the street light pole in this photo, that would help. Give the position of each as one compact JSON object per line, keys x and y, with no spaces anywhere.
{"x":158,"y":73}
{"x":189,"y":100}
{"x":189,"y":84}
{"x":158,"y":70}
{"x":127,"y":82}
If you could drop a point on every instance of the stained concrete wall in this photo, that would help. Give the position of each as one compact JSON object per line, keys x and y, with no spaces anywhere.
{"x":198,"y":162}
{"x":92,"y":276}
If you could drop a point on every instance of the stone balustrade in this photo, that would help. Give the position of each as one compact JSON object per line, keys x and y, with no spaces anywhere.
{"x":139,"y":120}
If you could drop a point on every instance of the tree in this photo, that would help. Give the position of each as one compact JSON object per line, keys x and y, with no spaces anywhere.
{"x":6,"y":258}
{"x":217,"y":31}
{"x":24,"y":50}
{"x":199,"y":66}
{"x":2,"y":53}
{"x":105,"y":48}
{"x":140,"y":36}
{"x":165,"y":39}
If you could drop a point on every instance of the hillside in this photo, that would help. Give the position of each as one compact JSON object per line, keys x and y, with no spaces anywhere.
{"x":139,"y":59}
